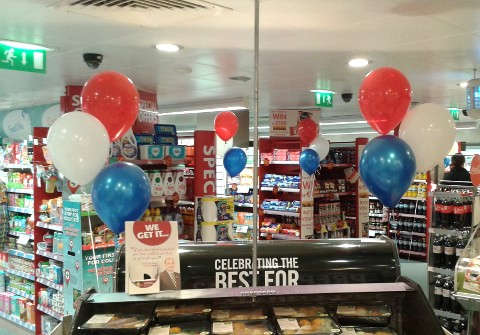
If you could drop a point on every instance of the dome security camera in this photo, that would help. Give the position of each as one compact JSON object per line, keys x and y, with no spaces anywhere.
{"x":347,"y":97}
{"x":92,"y":60}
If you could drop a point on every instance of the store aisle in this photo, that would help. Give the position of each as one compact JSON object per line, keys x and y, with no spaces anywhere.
{"x":416,"y":271}
{"x":9,"y":328}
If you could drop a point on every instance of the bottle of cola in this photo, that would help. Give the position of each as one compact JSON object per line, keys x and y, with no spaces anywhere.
{"x":438,"y":252}
{"x":437,"y":217}
{"x":467,"y":222}
{"x":447,"y":293}
{"x":438,"y":292}
{"x":449,"y":251}
{"x":447,"y":213}
{"x":458,"y":213}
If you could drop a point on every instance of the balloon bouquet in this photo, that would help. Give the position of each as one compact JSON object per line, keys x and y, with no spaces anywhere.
{"x":388,"y":163}
{"x":318,"y":146}
{"x":79,"y":143}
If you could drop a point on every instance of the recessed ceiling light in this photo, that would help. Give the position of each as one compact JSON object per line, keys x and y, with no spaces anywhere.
{"x":463,"y":84}
{"x":168,"y":47}
{"x":358,"y":62}
{"x":322,"y":91}
{"x":21,"y":45}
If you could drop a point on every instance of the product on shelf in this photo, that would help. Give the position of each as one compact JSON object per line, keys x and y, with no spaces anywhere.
{"x":182,"y":312}
{"x":374,"y":315}
{"x":374,"y":331}
{"x":182,"y":328}
{"x":314,"y":325}
{"x":282,"y":181}
{"x":281,"y":206}
{"x":116,"y":322}
{"x":251,"y":327}
{"x":298,"y":311}
{"x":238,"y":314}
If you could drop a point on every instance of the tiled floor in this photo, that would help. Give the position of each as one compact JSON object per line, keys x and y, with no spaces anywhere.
{"x":9,"y":328}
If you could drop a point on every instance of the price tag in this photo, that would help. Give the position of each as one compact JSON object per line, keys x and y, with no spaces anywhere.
{"x":288,"y":324}
{"x":242,"y":229}
{"x":100,"y":318}
{"x":23,"y":239}
{"x":222,"y":327}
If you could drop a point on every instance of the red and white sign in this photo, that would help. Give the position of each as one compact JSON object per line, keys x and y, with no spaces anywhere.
{"x":71,"y":100}
{"x":306,"y":215}
{"x":205,"y":176}
{"x":284,"y":122}
{"x":475,"y":170}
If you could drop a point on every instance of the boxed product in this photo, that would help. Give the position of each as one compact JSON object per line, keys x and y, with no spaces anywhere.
{"x":182,"y":328}
{"x":374,"y":315}
{"x":151,"y":151}
{"x":165,"y":129}
{"x":257,"y":327}
{"x":166,"y":140}
{"x":182,"y":312}
{"x":375,"y":331}
{"x":144,"y":139}
{"x":226,"y":314}
{"x":177,"y":152}
{"x":321,"y":325}
{"x":115,"y":323}
{"x":298,"y":311}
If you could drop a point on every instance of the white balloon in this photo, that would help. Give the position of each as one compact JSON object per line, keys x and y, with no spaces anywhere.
{"x":430,"y":131}
{"x":222,"y":146}
{"x":321,"y":146}
{"x":78,"y":144}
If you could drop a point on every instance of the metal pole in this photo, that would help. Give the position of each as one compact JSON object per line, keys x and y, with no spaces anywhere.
{"x":255,"y":147}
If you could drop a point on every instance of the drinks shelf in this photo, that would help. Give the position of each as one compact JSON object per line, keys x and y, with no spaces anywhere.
{"x":442,"y":231}
{"x":18,"y":234}
{"x":50,"y":255}
{"x":21,"y":293}
{"x":375,"y":215}
{"x":416,"y":216}
{"x":239,"y":204}
{"x":281,"y":189}
{"x":20,"y":210}
{"x":17,"y":321}
{"x":415,"y":253}
{"x":21,"y":254}
{"x":51,"y":312}
{"x":330,"y":194}
{"x":20,"y":274}
{"x":49,"y":226}
{"x":446,"y":314}
{"x":51,"y":284}
{"x":442,"y":271}
{"x":282,"y":213}
{"x":404,"y":232}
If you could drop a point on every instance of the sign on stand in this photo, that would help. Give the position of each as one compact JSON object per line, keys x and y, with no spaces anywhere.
{"x":284,"y":123}
{"x":22,"y":59}
{"x":307,"y":213}
{"x":363,"y":201}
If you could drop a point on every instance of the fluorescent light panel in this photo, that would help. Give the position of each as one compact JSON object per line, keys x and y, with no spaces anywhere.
{"x":207,"y":110}
{"x":341,"y":123}
{"x":21,"y":45}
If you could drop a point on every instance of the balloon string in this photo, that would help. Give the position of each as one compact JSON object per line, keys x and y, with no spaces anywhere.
{"x":87,"y":203}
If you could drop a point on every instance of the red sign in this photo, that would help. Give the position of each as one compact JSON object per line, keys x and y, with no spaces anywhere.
{"x":71,"y":100}
{"x":152,"y":233}
{"x":475,"y":170}
{"x":205,"y":176}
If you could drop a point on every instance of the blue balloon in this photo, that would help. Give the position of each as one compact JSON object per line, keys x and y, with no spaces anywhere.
{"x":387,"y":168}
{"x":309,"y":161}
{"x":234,"y":161}
{"x":120,"y":192}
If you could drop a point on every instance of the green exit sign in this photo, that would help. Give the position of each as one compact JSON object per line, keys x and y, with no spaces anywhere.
{"x":324,"y":99}
{"x":455,"y":113}
{"x":17,"y":59}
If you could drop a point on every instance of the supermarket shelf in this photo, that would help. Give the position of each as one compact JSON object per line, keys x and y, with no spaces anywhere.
{"x":50,"y":312}
{"x":98,"y":246}
{"x":281,"y":189}
{"x":242,"y":225}
{"x":441,"y":271}
{"x":177,"y":164}
{"x":442,"y":231}
{"x":239,"y":204}
{"x":404,"y":232}
{"x":18,"y":166}
{"x":281,"y":236}
{"x":375,"y":215}
{"x":21,"y":293}
{"x":20,"y":254}
{"x":350,"y":217}
{"x":372,"y":198}
{"x":344,"y":165}
{"x":423,"y":181}
{"x":20,"y":210}
{"x":49,"y":283}
{"x":20,"y":190}
{"x":20,"y":274}
{"x":417,"y":216}
{"x":50,"y":255}
{"x":339,"y":194}
{"x":415,"y":253}
{"x":19,"y":233}
{"x":49,"y":226}
{"x":282,"y":163}
{"x":374,"y":232}
{"x":414,"y":198}
{"x":446,"y":314}
{"x":17,"y":321}
{"x":293,"y":214}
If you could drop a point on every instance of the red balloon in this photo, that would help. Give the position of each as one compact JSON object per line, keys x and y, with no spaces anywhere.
{"x":113,"y":99}
{"x":307,"y":131}
{"x":384,"y":98}
{"x":226,"y":125}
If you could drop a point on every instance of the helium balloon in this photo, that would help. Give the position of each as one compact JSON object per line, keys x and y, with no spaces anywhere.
{"x":78,"y":146}
{"x":234,"y":161}
{"x":321,"y":146}
{"x":384,"y":98}
{"x":430,"y":131}
{"x":226,"y":125}
{"x":387,"y":167}
{"x":120,"y":192}
{"x":309,"y":161}
{"x":307,"y":131}
{"x":113,"y":99}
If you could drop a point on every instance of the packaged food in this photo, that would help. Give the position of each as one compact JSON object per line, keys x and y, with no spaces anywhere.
{"x":182,"y":312}
{"x":374,"y":315}
{"x":239,"y":314}
{"x":165,"y":129}
{"x":298,"y":311}
{"x":320,"y":325}
{"x":117,"y":323}
{"x":375,"y":331}
{"x":183,"y":328}
{"x":256,"y":327}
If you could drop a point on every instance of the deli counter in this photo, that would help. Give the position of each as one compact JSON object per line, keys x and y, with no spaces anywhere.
{"x":344,"y":286}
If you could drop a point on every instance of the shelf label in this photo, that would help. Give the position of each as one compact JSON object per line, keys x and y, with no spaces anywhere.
{"x":23,"y":239}
{"x":242,"y":229}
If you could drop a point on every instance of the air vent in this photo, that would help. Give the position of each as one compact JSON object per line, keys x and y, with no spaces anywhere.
{"x":146,"y":4}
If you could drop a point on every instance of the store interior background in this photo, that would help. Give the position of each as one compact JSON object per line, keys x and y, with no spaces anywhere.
{"x":304,"y":45}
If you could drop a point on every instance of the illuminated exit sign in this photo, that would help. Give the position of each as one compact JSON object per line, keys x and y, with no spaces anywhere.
{"x":324,"y":99}
{"x":18,"y":59}
{"x":455,"y":113}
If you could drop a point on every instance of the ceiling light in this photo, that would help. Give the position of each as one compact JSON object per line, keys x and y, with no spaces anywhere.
{"x":463,"y":84}
{"x":341,"y":123}
{"x":168,"y":47}
{"x":322,"y":91}
{"x":208,"y":110}
{"x":185,"y":131}
{"x":261,"y":127}
{"x":358,"y":62}
{"x":352,"y":133}
{"x":466,"y":128}
{"x":21,"y":45}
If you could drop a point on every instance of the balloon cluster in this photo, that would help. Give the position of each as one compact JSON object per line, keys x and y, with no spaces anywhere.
{"x":318,"y":146}
{"x":426,"y":133}
{"x":79,"y":142}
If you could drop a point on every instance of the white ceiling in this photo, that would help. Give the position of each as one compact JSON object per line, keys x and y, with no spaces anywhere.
{"x":304,"y":45}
